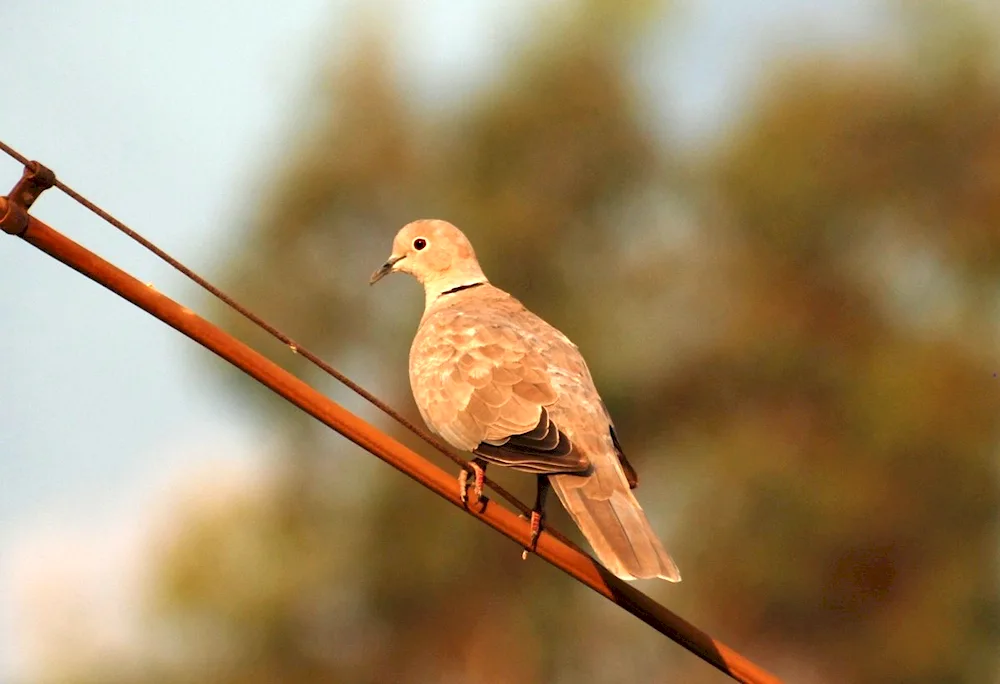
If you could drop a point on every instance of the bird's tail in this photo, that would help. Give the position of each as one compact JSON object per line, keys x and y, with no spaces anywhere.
{"x":613,"y":522}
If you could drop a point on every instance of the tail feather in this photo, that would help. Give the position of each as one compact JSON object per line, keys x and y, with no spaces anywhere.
{"x":616,"y":528}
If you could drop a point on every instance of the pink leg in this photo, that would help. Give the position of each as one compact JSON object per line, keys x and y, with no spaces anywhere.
{"x":537,"y":515}
{"x":463,"y":486}
{"x":536,"y":529}
{"x":479,"y":475}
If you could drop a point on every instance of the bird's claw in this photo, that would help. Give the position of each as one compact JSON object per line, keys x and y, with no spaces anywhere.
{"x":479,"y":475}
{"x":463,"y":486}
{"x":536,"y":530}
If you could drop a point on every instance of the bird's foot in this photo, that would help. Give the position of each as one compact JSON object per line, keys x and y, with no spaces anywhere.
{"x":536,"y":530}
{"x":479,"y":475}
{"x":537,"y":515}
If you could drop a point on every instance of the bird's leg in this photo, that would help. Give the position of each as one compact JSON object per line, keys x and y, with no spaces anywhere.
{"x":478,"y":467}
{"x":537,"y":514}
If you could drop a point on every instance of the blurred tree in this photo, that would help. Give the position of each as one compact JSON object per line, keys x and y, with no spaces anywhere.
{"x":851,"y":407}
{"x":806,"y":345}
{"x":540,"y":168}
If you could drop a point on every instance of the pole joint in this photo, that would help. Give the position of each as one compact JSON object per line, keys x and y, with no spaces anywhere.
{"x":35,"y":180}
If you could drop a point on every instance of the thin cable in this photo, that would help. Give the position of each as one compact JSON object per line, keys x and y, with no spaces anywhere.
{"x":14,"y":153}
{"x":575,"y":563}
{"x":283,"y":338}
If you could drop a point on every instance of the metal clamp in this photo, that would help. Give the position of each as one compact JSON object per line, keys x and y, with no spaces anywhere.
{"x":35,"y":180}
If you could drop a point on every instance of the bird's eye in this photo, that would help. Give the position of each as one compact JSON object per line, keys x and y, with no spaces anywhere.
{"x":419,"y":244}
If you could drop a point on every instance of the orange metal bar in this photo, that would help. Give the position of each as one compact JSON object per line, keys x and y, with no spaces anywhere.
{"x":15,"y":220}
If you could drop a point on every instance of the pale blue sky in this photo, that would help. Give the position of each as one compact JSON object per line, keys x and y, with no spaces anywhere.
{"x":168,"y":114}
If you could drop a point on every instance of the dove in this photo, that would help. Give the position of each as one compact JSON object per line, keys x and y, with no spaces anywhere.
{"x":492,"y":378}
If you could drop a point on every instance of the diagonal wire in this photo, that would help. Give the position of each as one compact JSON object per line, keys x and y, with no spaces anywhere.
{"x":283,"y":338}
{"x":14,"y":219}
{"x":14,"y":153}
{"x":551,"y":547}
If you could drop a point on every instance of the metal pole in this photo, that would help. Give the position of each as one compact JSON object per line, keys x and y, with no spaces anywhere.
{"x":15,"y":220}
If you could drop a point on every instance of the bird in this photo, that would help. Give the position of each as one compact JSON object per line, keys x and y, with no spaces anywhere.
{"x":492,"y":378}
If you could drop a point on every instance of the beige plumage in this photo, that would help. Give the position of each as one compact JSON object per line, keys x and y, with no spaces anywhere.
{"x":491,"y":377}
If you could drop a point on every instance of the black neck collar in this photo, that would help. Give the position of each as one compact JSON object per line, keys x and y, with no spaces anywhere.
{"x":460,"y":288}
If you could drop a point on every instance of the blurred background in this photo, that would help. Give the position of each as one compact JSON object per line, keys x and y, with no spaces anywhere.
{"x":772,"y":228}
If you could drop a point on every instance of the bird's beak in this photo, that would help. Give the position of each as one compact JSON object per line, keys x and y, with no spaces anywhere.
{"x":385,"y":269}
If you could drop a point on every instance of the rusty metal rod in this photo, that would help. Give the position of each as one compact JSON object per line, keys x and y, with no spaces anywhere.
{"x":37,"y":178}
{"x":15,"y":220}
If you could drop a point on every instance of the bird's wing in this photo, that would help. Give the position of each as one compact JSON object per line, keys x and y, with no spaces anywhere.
{"x":481,"y":383}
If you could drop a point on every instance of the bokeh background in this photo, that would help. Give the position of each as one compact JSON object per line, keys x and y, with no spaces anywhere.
{"x":772,"y":228}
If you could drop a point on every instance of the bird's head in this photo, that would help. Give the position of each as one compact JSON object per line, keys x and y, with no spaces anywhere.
{"x":434,"y":252}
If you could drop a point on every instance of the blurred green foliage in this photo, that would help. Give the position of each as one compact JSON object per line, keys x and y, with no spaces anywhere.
{"x":795,"y":328}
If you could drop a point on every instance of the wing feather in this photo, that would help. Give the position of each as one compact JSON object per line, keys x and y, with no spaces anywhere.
{"x":485,"y":389}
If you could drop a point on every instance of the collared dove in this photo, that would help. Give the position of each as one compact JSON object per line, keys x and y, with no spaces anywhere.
{"x":493,"y":378}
